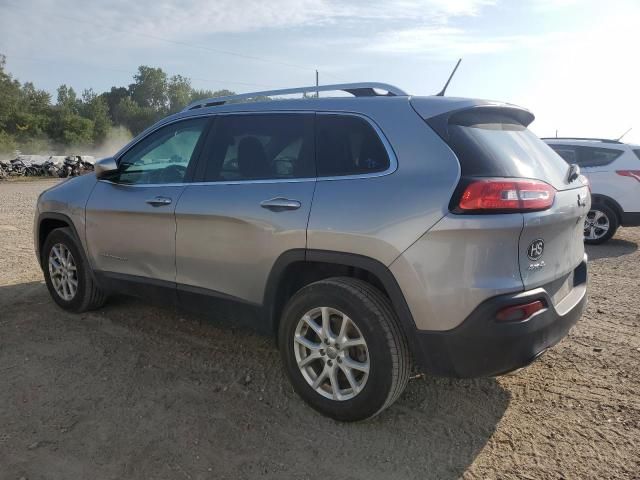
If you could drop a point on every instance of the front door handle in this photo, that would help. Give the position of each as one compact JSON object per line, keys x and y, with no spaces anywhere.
{"x":159,"y":201}
{"x":277,"y":204}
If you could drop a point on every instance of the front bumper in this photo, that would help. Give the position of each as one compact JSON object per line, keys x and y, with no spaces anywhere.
{"x":482,"y":346}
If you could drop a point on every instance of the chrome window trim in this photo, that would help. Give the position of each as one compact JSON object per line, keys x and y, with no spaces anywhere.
{"x":393,"y":160}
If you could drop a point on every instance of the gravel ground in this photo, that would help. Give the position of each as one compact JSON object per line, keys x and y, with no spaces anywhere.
{"x":134,"y":391}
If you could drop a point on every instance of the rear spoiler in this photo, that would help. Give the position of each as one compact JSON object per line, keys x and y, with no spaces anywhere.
{"x":440,"y":119}
{"x":441,"y":122}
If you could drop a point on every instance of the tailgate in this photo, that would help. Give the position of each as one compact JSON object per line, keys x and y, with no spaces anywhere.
{"x":551,"y":243}
{"x":505,"y":168}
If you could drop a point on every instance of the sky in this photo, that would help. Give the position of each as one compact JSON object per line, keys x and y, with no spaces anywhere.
{"x":573,"y":63}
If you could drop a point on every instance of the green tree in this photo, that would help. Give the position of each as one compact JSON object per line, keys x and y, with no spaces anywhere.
{"x":202,"y":94}
{"x":68,"y":127}
{"x":33,"y":115}
{"x":134,"y":117}
{"x":178,"y":93}
{"x":150,"y":88}
{"x":10,"y":94}
{"x":67,"y":99}
{"x":29,"y":121}
{"x":95,"y":108}
{"x":113,"y":97}
{"x":8,"y":144}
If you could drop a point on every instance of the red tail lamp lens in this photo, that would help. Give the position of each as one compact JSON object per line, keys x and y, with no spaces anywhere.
{"x":630,"y":173}
{"x":517,"y":313}
{"x":518,"y":195}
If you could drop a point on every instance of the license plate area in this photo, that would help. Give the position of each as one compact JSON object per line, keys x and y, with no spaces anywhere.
{"x":560,"y":288}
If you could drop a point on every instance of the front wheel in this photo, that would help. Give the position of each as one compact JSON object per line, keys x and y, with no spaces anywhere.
{"x":600,"y":225}
{"x":68,"y":275}
{"x":343,"y":348}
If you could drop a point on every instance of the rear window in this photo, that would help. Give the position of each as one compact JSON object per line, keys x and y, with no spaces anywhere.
{"x":567,"y":152}
{"x":348,"y":145}
{"x":490,"y":144}
{"x":596,"y":156}
{"x":587,"y":156}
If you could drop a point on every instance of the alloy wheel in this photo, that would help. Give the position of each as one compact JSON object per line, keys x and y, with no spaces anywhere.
{"x":596,"y":225}
{"x":63,"y":272}
{"x":331,"y":353}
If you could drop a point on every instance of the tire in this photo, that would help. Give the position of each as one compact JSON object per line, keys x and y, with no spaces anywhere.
{"x":372,"y":319}
{"x":600,"y":213}
{"x":88,"y":295}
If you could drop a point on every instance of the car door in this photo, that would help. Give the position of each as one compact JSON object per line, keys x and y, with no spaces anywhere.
{"x":250,"y":205}
{"x":130,"y":222}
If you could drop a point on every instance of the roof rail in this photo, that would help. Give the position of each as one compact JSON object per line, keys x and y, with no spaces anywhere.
{"x":364,"y":89}
{"x":603,"y":140}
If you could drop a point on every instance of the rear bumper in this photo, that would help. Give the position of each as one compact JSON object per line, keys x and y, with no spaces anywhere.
{"x":482,"y":346}
{"x":631,"y":219}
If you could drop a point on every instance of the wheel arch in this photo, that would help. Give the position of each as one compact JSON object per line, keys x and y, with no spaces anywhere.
{"x":49,"y":221}
{"x":296,"y":268}
{"x":598,"y":198}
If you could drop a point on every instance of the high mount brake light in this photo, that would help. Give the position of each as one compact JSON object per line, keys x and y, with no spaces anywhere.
{"x":509,"y":195}
{"x":629,"y":173}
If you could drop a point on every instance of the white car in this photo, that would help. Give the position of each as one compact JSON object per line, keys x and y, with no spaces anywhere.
{"x":613,"y":169}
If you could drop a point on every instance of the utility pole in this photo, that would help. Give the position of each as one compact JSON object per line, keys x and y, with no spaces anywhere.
{"x":317,"y":84}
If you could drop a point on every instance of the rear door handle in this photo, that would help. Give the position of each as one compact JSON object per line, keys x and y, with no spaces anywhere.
{"x":277,"y":204}
{"x":159,"y":201}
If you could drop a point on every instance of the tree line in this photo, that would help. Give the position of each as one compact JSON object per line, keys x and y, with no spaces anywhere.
{"x":31,"y":123}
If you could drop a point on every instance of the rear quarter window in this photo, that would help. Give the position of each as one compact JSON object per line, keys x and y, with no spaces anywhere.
{"x":348,"y":145}
{"x":597,"y":156}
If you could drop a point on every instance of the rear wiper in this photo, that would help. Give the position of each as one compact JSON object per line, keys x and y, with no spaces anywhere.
{"x":574,"y":172}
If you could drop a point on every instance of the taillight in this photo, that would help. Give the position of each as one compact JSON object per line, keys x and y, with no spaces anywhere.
{"x":585,"y":181}
{"x":629,"y":173}
{"x":507,"y":195}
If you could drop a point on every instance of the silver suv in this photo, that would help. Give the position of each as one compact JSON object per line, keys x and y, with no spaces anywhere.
{"x":369,"y":234}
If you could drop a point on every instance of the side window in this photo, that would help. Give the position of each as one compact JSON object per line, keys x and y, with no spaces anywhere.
{"x":261,"y":146}
{"x":567,"y":152}
{"x":596,"y":156}
{"x":163,"y":156}
{"x":637,"y":152}
{"x":348,"y":145}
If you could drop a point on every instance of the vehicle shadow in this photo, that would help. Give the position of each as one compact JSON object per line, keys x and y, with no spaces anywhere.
{"x":616,"y":247}
{"x":136,"y":391}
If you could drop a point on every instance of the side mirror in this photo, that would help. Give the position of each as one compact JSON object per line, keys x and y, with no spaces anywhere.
{"x":105,"y":167}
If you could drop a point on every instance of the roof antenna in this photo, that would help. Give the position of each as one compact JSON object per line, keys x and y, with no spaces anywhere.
{"x":620,"y":137}
{"x":444,"y":89}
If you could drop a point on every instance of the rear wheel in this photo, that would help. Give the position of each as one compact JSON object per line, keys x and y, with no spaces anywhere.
{"x":343,"y":349}
{"x":67,"y":273}
{"x":600,"y":225}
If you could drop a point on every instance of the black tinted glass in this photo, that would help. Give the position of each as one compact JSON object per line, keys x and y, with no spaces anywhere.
{"x":261,"y":146}
{"x":496,"y":145}
{"x":567,"y":152}
{"x":348,"y":145}
{"x":597,"y":156}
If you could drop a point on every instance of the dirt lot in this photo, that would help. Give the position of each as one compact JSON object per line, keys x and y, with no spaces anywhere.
{"x":134,"y":391}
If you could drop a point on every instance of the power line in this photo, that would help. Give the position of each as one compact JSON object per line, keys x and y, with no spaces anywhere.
{"x":220,"y":81}
{"x":176,"y":42}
